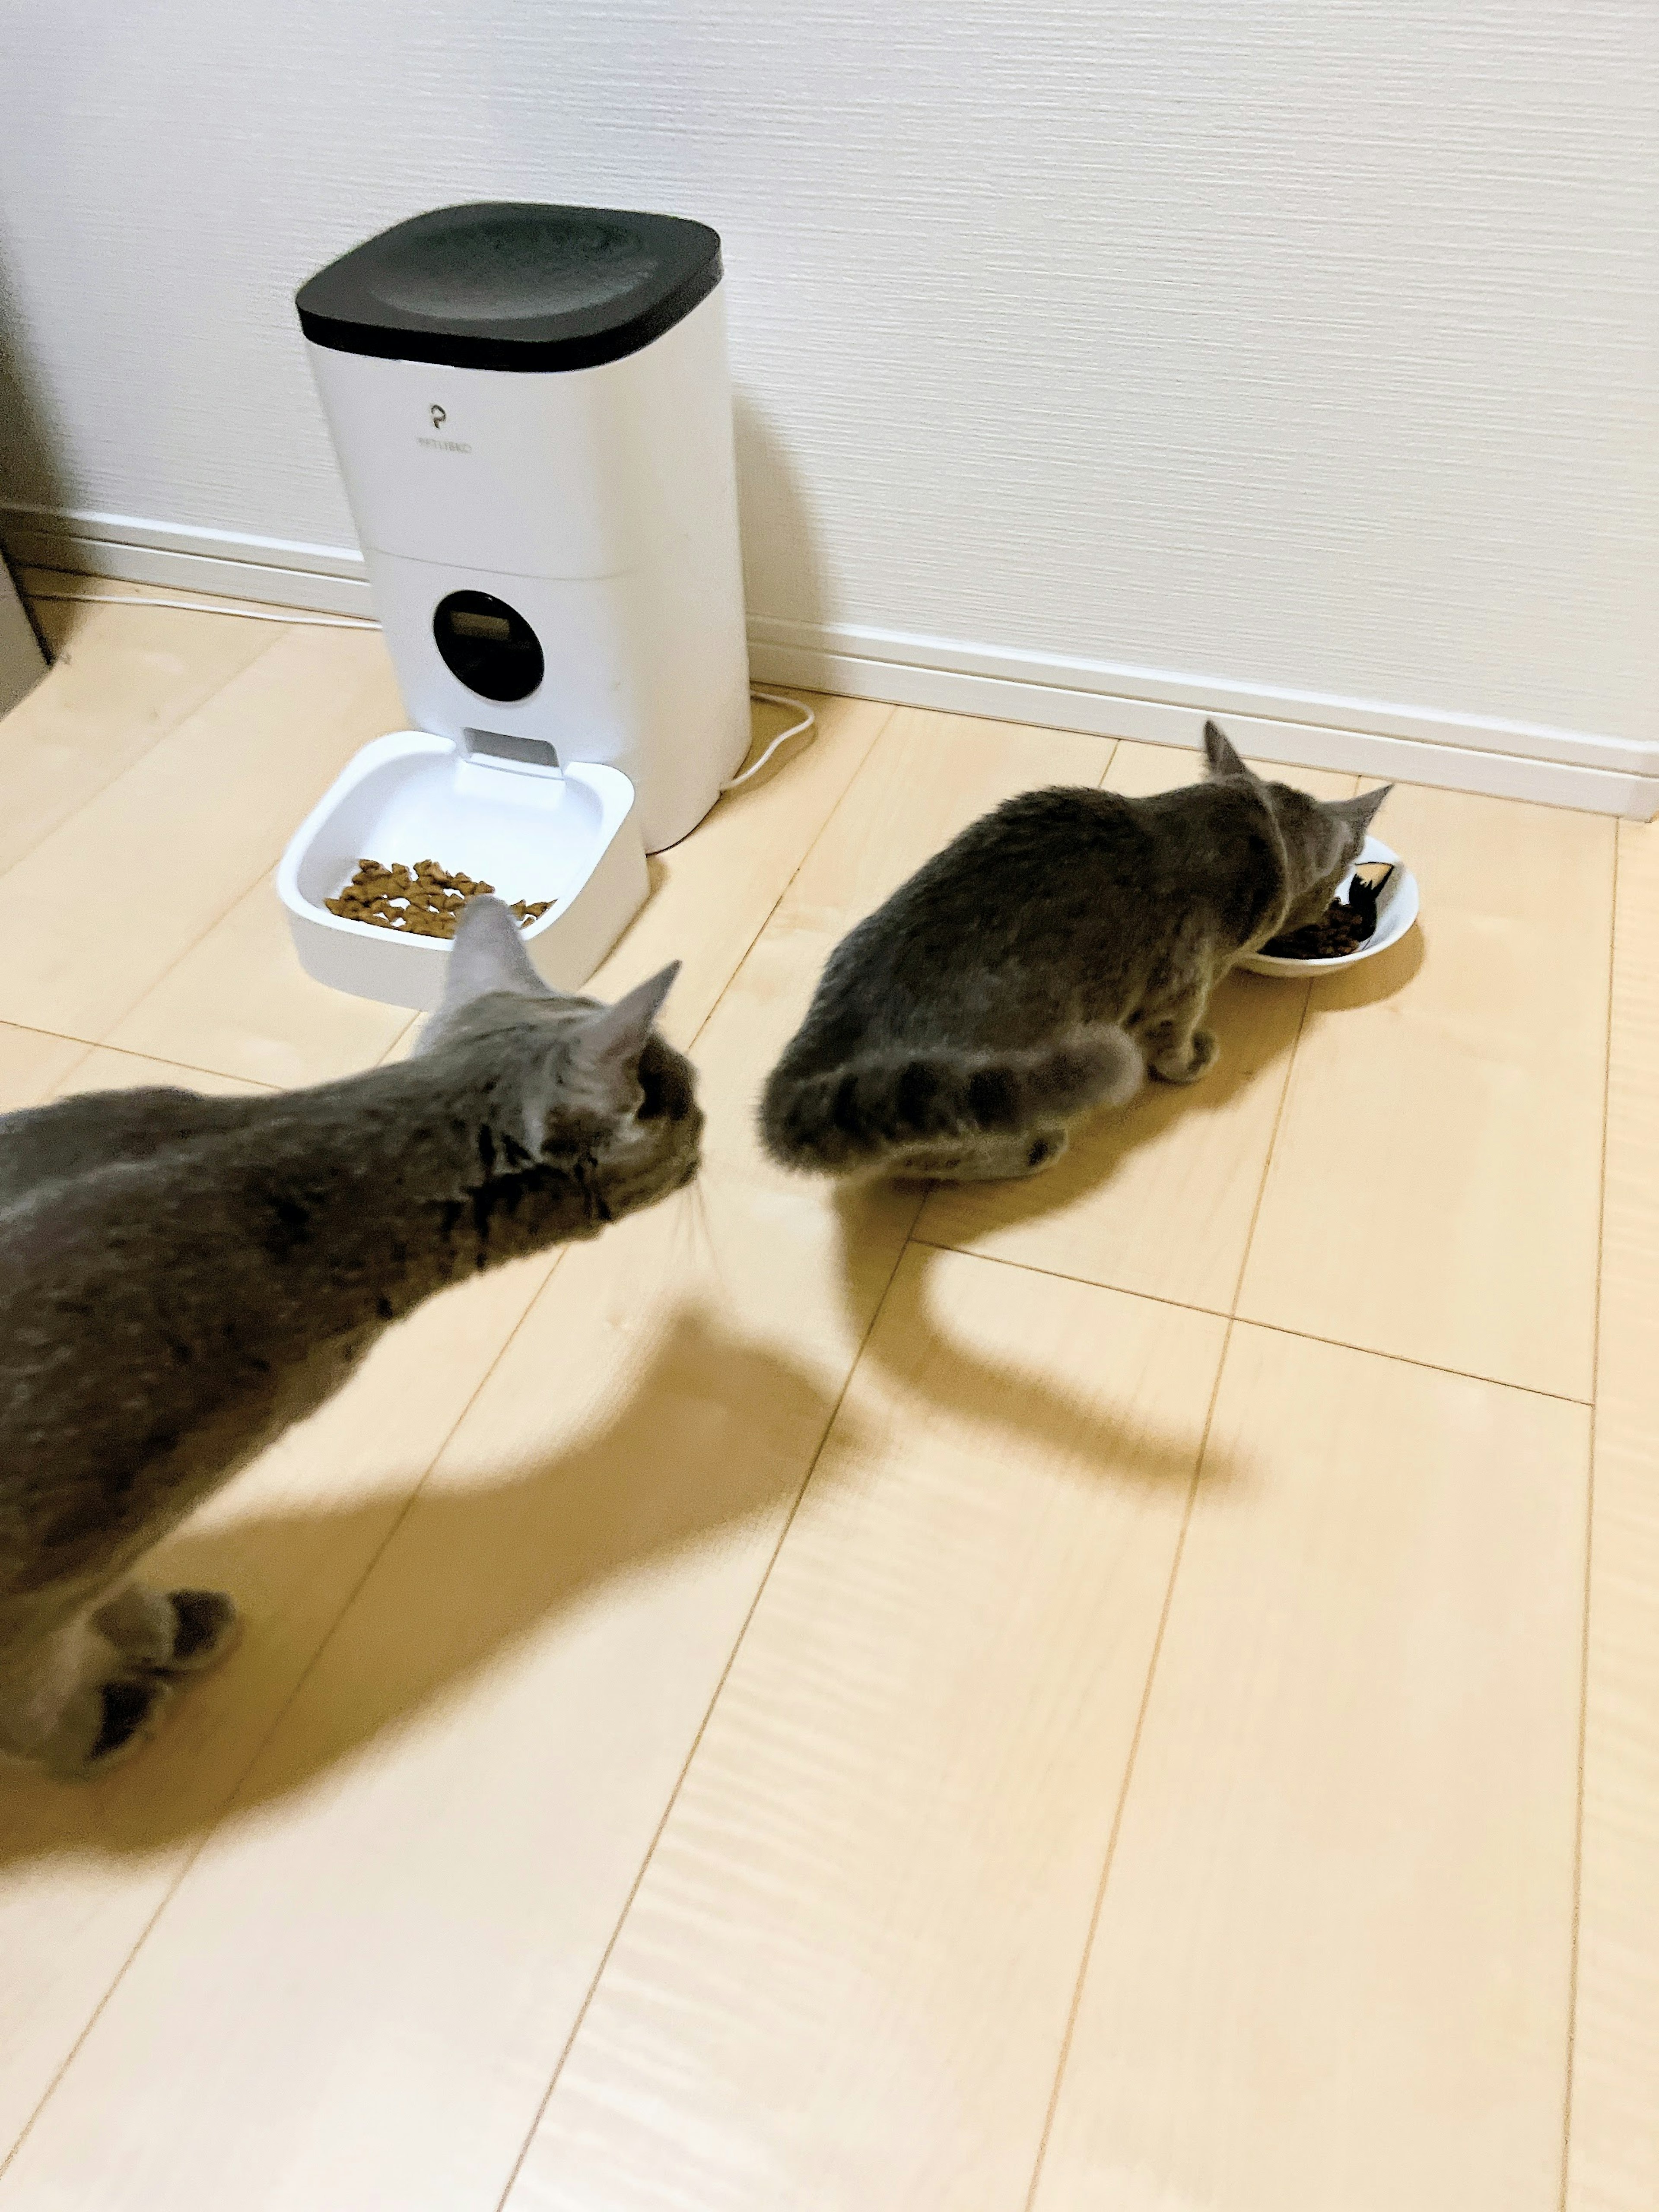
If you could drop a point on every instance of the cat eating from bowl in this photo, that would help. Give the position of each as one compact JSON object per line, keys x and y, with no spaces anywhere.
{"x":1032,"y":971}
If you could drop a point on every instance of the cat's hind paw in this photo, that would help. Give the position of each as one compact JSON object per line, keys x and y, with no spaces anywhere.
{"x":1197,"y":1061}
{"x":108,"y":1722}
{"x":209,"y":1627}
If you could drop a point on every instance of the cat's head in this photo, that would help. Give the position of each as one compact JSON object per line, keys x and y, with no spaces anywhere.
{"x":567,"y":1078}
{"x":1323,"y":838}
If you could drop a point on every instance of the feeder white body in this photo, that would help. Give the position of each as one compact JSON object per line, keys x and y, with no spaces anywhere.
{"x":532,"y":411}
{"x":601,"y":504}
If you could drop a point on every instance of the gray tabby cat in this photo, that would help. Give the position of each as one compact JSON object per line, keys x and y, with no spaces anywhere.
{"x":1024,"y":977}
{"x":182,"y":1279}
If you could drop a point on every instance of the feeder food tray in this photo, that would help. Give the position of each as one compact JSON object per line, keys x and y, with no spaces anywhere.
{"x":533,"y":830}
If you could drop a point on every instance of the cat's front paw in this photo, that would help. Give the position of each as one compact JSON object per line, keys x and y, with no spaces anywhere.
{"x":1198,"y":1059}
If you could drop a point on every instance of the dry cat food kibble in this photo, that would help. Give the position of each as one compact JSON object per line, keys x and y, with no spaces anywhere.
{"x":1345,"y":925}
{"x":424,"y":901}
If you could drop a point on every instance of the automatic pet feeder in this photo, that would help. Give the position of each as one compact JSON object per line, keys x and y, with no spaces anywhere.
{"x":532,"y":409}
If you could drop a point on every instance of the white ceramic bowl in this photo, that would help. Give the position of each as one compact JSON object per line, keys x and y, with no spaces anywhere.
{"x":1396,"y":910}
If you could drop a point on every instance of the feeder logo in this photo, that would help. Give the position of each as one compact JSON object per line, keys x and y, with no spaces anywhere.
{"x":440,"y":417}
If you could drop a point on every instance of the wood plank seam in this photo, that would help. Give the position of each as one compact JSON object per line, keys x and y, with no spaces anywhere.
{"x":1064,"y":2053}
{"x":184,"y":1066}
{"x":1058,"y":1275}
{"x":1273,"y":1144}
{"x":1272,"y":1327}
{"x":702,"y":1728}
{"x":33,"y":1029}
{"x":1437,"y":1075}
{"x":1426,"y":1366}
{"x":1590,"y":1559}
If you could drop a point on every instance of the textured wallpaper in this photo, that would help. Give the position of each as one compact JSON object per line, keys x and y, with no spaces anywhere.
{"x":1312,"y":346}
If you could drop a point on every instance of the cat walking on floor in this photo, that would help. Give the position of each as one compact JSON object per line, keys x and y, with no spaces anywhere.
{"x":1029,"y":972}
{"x":183,"y":1278}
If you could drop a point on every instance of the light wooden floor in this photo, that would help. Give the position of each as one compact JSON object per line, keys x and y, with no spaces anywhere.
{"x":1077,"y":1697}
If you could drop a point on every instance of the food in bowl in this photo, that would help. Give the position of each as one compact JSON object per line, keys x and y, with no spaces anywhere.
{"x":425,"y":900}
{"x":1346,"y":925}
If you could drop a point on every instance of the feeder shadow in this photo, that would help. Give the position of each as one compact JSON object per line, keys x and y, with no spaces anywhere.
{"x":717,"y":1434}
{"x":33,"y":470}
{"x":783,"y":568}
{"x":783,"y":571}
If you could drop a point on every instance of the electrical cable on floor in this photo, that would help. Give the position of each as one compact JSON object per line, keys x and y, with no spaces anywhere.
{"x":807,"y":719}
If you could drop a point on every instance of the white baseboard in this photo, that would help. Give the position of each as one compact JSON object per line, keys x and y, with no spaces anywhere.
{"x":1508,"y":759}
{"x":1296,"y":742}
{"x":328,"y":580}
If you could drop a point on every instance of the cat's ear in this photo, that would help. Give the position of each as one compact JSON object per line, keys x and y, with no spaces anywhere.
{"x":488,"y":954}
{"x":1220,"y":759}
{"x":605,"y":1071}
{"x":1357,"y":815}
{"x":612,"y":1040}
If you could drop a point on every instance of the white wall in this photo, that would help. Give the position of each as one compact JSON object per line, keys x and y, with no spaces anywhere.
{"x":1303,"y":344}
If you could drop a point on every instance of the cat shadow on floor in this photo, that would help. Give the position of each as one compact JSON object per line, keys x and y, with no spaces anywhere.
{"x":918,"y":1351}
{"x":715,"y":1434}
{"x":1258,"y":1020}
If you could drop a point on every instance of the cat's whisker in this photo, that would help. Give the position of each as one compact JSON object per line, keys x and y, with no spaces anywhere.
{"x":703,"y":1234}
{"x":683,"y":1249}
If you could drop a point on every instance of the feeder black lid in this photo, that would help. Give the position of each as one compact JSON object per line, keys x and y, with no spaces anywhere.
{"x":510,"y":284}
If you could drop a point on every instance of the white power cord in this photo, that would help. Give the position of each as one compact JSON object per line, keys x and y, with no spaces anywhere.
{"x":808,"y":719}
{"x":195,"y":607}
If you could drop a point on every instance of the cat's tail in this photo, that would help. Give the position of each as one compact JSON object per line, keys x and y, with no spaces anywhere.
{"x":882,"y":1105}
